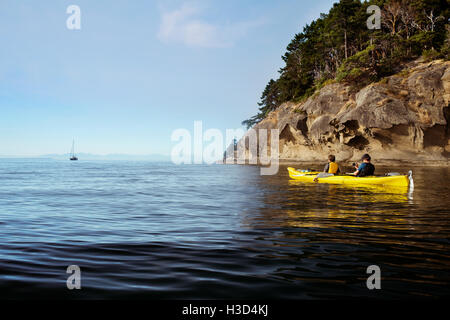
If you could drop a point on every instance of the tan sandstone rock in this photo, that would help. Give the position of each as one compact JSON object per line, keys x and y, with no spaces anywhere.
{"x":405,"y":117}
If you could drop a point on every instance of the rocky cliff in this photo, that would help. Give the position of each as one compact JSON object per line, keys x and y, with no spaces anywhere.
{"x":403,"y":117}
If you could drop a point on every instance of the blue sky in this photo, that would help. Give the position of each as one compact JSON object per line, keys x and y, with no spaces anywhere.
{"x":137,"y":70}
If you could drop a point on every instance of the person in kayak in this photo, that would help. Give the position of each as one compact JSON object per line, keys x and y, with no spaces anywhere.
{"x":331,"y":167}
{"x":365,"y":169}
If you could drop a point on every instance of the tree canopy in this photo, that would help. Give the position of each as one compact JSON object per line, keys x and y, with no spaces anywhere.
{"x":339,"y":46}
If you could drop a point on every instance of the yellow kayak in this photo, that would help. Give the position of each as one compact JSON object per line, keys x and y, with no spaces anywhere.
{"x":396,"y":180}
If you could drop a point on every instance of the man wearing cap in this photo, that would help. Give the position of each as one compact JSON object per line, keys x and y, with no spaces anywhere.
{"x":365,"y":169}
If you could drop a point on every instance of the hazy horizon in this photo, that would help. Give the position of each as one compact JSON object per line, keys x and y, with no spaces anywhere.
{"x":90,"y":156}
{"x":136,"y":71}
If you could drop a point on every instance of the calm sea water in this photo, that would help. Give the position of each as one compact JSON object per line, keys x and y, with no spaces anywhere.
{"x":156,"y":230}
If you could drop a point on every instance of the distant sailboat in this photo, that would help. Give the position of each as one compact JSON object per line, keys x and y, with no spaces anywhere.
{"x":72,"y":154}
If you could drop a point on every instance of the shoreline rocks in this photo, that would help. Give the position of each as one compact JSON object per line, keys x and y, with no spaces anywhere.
{"x":403,"y":117}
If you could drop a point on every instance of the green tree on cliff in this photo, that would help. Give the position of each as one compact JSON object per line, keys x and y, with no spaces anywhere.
{"x":269,"y":102}
{"x":339,"y":46}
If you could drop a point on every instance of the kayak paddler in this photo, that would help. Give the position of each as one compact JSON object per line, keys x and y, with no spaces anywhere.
{"x":366,"y":168}
{"x":331,"y":167}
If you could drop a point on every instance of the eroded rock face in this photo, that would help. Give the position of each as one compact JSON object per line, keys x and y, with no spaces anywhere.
{"x":404,"y":117}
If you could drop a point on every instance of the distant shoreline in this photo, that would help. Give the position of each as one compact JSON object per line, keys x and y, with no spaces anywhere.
{"x":85,"y":160}
{"x":95,"y":157}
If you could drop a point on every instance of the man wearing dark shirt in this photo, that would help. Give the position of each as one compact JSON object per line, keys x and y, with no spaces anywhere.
{"x":365,"y":169}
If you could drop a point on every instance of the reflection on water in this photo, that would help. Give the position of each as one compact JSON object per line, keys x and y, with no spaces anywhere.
{"x":405,"y":232}
{"x":304,"y":204}
{"x":347,"y":205}
{"x":147,"y":230}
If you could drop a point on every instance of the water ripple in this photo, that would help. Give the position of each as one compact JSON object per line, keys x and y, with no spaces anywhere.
{"x":155,"y":230}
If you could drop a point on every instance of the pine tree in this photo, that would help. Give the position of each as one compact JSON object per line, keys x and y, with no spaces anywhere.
{"x":339,"y":46}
